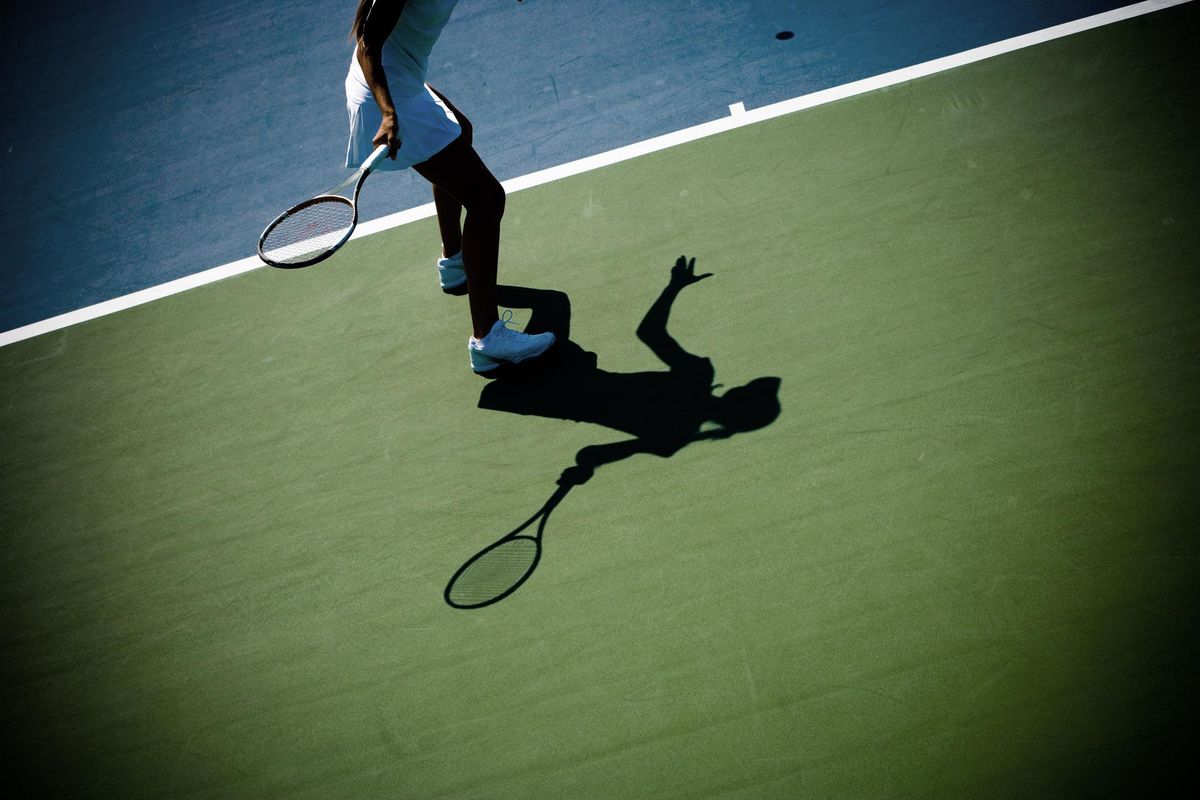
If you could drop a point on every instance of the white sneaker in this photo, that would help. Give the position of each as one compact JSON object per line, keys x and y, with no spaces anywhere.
{"x":451,"y":274}
{"x":503,"y":345}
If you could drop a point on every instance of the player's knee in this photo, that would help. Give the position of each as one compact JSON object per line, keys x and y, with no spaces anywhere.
{"x":489,"y":201}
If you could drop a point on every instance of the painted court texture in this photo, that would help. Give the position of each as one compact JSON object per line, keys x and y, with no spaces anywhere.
{"x":173,"y":124}
{"x":960,"y":563}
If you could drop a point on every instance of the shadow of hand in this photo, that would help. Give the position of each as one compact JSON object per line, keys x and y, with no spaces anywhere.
{"x":576,"y":475}
{"x":684,"y":273}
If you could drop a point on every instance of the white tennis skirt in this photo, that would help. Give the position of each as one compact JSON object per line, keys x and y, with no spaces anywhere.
{"x":426,"y":127}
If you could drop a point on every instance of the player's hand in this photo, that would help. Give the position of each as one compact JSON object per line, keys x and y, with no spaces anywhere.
{"x":684,"y":272}
{"x":389,"y":134}
{"x":576,"y":475}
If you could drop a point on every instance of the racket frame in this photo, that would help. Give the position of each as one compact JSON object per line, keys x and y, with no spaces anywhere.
{"x":358,"y":178}
{"x":540,"y":517}
{"x":512,"y":537}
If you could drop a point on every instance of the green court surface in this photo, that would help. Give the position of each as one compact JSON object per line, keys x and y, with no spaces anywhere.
{"x":962,"y":562}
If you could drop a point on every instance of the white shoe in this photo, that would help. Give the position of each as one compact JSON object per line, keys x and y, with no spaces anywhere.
{"x":451,"y":274}
{"x":503,"y":345}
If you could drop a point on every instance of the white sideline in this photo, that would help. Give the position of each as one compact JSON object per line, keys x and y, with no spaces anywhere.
{"x":736,"y":119}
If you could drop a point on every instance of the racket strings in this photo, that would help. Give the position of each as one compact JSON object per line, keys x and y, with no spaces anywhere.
{"x":494,"y":573}
{"x":314,"y":228}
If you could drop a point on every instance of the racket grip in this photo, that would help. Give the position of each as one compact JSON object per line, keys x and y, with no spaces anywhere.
{"x":373,"y":160}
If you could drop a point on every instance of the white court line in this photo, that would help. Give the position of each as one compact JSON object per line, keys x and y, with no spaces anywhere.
{"x":736,"y":119}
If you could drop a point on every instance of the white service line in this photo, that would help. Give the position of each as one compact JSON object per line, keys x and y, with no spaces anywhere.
{"x":738,"y":117}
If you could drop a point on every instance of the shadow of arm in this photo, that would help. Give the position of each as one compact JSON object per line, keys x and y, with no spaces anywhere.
{"x":593,"y":456}
{"x":653,"y":328}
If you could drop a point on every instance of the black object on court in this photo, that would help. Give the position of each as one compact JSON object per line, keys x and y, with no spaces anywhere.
{"x":663,"y":412}
{"x":783,"y":36}
{"x":499,"y":569}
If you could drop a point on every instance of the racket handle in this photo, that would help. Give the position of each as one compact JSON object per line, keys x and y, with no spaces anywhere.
{"x":373,"y":160}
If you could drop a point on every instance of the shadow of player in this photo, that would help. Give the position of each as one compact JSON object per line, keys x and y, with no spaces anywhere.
{"x":662,"y":412}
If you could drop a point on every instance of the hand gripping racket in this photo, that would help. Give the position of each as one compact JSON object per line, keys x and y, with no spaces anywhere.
{"x":499,"y":569}
{"x":313,"y":230}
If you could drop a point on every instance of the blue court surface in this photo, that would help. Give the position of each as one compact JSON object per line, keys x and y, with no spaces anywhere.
{"x":146,"y":141}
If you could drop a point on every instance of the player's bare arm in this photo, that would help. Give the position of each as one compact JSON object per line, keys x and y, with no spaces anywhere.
{"x":369,"y":52}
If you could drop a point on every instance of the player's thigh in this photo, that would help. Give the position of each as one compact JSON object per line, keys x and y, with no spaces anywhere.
{"x":460,"y":171}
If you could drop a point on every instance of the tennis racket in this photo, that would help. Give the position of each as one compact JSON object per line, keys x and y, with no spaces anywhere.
{"x":499,"y":569}
{"x":313,"y":230}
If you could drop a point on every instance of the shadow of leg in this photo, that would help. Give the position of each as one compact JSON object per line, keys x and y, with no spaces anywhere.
{"x":551,"y":308}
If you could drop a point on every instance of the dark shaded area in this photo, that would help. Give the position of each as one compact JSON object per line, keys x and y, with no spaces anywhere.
{"x":663,"y":412}
{"x":499,"y":569}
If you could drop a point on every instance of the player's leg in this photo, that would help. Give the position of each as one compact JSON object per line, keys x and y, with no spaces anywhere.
{"x":459,"y":171}
{"x":452,"y":277}
{"x":449,"y":217}
{"x":449,"y":213}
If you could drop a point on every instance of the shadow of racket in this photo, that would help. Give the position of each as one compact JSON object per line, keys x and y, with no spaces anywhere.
{"x":499,"y":569}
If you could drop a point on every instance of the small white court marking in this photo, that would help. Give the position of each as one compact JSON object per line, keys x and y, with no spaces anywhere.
{"x":738,"y":117}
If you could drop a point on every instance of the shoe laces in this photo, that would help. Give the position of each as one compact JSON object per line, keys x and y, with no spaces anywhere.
{"x":505,"y":320}
{"x":502,"y":331}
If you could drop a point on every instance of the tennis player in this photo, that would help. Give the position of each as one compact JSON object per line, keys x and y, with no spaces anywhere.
{"x":390,"y":103}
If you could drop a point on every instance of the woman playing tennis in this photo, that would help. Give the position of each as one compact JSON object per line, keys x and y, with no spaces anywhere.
{"x":390,"y":103}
